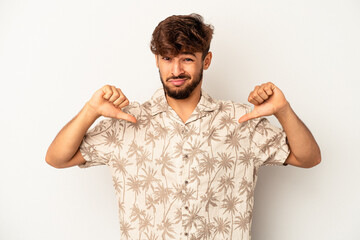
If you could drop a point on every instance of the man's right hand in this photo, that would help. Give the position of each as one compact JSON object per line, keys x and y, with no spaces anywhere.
{"x":64,"y":151}
{"x":108,"y":102}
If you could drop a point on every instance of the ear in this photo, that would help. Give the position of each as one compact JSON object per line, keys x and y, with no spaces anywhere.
{"x":207,"y":60}
{"x":157,"y":60}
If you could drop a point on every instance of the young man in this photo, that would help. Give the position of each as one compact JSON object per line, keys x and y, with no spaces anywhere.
{"x":184,"y":165}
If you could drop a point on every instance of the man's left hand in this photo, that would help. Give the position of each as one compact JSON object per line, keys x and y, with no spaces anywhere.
{"x":268,"y":100}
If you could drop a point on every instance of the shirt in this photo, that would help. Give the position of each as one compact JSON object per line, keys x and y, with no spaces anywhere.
{"x":192,"y":180}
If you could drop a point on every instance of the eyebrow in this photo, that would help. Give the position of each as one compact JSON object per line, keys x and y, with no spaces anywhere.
{"x":188,"y":53}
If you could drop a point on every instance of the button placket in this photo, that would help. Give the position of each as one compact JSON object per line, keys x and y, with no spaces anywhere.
{"x":185,"y":179}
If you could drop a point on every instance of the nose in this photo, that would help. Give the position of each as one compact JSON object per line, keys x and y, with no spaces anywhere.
{"x":177,"y":68}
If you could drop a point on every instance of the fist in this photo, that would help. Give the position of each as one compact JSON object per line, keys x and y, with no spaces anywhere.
{"x":268,"y":100}
{"x":108,"y":102}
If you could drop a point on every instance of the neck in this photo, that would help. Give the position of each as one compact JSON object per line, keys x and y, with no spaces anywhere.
{"x":185,"y":107}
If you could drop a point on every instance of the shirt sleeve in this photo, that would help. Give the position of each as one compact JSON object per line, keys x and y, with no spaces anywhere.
{"x":269,"y":143}
{"x":98,"y":143}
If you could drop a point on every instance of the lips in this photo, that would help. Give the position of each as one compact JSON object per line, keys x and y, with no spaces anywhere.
{"x":177,"y":82}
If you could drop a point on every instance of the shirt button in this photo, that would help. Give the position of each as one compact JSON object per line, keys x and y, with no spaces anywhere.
{"x":186,"y":234}
{"x":183,"y":131}
{"x":186,"y":207}
{"x":186,"y":181}
{"x":186,"y":156}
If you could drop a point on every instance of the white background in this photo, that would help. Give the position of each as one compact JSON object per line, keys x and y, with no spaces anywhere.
{"x":55,"y":54}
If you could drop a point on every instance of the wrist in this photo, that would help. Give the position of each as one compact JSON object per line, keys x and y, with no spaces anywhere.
{"x":90,"y":112}
{"x":284,"y":112}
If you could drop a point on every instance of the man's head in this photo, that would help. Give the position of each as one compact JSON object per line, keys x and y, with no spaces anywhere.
{"x":181,"y":45}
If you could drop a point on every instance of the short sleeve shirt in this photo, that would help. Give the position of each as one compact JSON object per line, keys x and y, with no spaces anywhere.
{"x":192,"y":180}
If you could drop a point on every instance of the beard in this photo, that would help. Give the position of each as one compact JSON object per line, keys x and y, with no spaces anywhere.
{"x":180,"y":93}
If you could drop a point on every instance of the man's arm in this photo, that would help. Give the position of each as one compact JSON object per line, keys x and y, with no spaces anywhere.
{"x":64,"y":150}
{"x":269,"y":100}
{"x":304,"y":151}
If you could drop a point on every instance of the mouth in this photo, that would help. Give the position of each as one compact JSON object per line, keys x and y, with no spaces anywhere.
{"x":178,"y":82}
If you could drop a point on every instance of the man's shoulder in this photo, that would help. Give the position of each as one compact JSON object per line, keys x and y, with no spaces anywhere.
{"x":231,"y":106}
{"x":138,"y":109}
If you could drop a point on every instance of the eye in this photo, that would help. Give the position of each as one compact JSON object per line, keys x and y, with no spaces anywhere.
{"x":188,"y":60}
{"x":166,"y":58}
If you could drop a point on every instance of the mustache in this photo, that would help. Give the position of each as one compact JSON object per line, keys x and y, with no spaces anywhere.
{"x":181,"y":76}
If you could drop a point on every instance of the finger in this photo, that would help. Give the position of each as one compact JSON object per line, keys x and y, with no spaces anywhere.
{"x":248,"y":116}
{"x":261,"y":92}
{"x":252,"y":100}
{"x":123,"y":104}
{"x":119,"y":101}
{"x":268,"y":90}
{"x":126,"y":117}
{"x":271,"y":85}
{"x":115,"y":94}
{"x":256,"y":99}
{"x":107,"y":92}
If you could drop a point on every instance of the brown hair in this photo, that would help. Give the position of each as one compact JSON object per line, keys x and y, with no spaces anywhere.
{"x":182,"y":33}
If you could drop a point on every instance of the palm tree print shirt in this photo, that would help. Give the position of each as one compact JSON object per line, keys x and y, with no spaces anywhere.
{"x":192,"y":180}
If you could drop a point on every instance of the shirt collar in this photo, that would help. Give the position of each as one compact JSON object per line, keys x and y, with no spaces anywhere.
{"x":158,"y":103}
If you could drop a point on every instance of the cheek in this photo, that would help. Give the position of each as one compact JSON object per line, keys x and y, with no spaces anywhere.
{"x":195,"y":70}
{"x":163,"y":76}
{"x":163,"y":70}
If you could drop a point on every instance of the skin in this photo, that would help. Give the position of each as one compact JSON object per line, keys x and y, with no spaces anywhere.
{"x":269,"y":100}
{"x":109,"y":100}
{"x":183,"y":64}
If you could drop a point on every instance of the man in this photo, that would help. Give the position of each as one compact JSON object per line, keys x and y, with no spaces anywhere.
{"x":184,"y":165}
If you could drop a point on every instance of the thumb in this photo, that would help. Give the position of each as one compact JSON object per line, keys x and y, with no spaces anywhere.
{"x":125,"y":116}
{"x":248,"y":116}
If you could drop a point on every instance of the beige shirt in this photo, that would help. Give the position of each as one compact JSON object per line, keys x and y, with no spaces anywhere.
{"x":185,"y":181}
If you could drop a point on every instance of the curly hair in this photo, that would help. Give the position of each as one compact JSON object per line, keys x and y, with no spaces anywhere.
{"x":182,"y":33}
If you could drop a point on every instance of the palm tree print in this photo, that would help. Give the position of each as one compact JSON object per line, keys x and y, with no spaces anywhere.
{"x":210,"y":199}
{"x":111,"y":137}
{"x":166,"y":165}
{"x":247,"y":157}
{"x":167,"y":229}
{"x":222,"y":226}
{"x":134,"y":184}
{"x":172,"y":177}
{"x":205,"y":229}
{"x":148,"y":178}
{"x":229,"y":205}
{"x":125,"y":229}
{"x":145,"y":223}
{"x":226,"y":161}
{"x":150,"y":204}
{"x":263,"y":128}
{"x":227,"y":121}
{"x":120,"y":166}
{"x":136,"y":213}
{"x":225,"y":183}
{"x":195,"y":175}
{"x":243,"y":222}
{"x":142,"y":158}
{"x":192,"y":218}
{"x":162,"y":194}
{"x":207,"y":164}
{"x":151,"y":236}
{"x":117,"y":185}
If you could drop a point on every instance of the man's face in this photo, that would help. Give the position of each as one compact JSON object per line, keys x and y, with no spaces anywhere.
{"x":180,"y":75}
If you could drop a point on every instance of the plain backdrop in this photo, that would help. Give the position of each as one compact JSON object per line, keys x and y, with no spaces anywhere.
{"x":55,"y":54}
